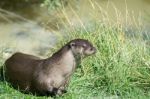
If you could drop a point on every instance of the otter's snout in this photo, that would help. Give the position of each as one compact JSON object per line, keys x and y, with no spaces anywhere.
{"x":94,"y":50}
{"x":90,"y":51}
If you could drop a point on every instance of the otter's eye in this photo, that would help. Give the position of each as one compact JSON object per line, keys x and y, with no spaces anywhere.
{"x":72,"y":44}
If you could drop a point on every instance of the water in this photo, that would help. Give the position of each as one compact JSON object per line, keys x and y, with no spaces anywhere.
{"x":25,"y":37}
{"x":32,"y":29}
{"x":130,"y":12}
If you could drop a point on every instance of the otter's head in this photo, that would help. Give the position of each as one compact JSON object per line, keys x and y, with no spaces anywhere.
{"x":82,"y":47}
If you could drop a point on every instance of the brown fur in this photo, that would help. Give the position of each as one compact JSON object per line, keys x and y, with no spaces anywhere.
{"x":47,"y":76}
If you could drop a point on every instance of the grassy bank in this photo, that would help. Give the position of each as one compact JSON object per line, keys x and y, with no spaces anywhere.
{"x":120,"y":68}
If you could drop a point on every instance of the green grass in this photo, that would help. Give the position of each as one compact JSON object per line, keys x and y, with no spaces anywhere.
{"x":121,"y":67}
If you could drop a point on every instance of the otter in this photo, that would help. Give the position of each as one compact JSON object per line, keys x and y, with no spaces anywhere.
{"x":48,"y":76}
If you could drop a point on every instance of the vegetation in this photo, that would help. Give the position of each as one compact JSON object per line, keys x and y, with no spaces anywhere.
{"x":53,"y":4}
{"x":120,"y":67}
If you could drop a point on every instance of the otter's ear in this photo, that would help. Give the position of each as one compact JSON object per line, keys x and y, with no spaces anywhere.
{"x":72,"y":44}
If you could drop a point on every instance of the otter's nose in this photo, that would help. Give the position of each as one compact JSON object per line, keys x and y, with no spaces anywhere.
{"x":94,"y":49}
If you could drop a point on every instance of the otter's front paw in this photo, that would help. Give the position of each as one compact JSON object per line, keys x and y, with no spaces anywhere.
{"x":60,"y":92}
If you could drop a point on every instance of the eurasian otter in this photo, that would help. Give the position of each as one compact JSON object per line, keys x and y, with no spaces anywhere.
{"x":47,"y":76}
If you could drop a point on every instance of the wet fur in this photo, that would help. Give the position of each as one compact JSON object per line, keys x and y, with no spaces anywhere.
{"x":42,"y":76}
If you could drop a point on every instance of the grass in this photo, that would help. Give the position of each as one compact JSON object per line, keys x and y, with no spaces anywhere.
{"x":120,"y":68}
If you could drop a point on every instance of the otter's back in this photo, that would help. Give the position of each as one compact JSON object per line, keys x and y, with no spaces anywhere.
{"x":20,"y":61}
{"x":19,"y":68}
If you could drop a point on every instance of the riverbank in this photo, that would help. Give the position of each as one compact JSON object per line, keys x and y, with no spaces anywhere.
{"x":119,"y":70}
